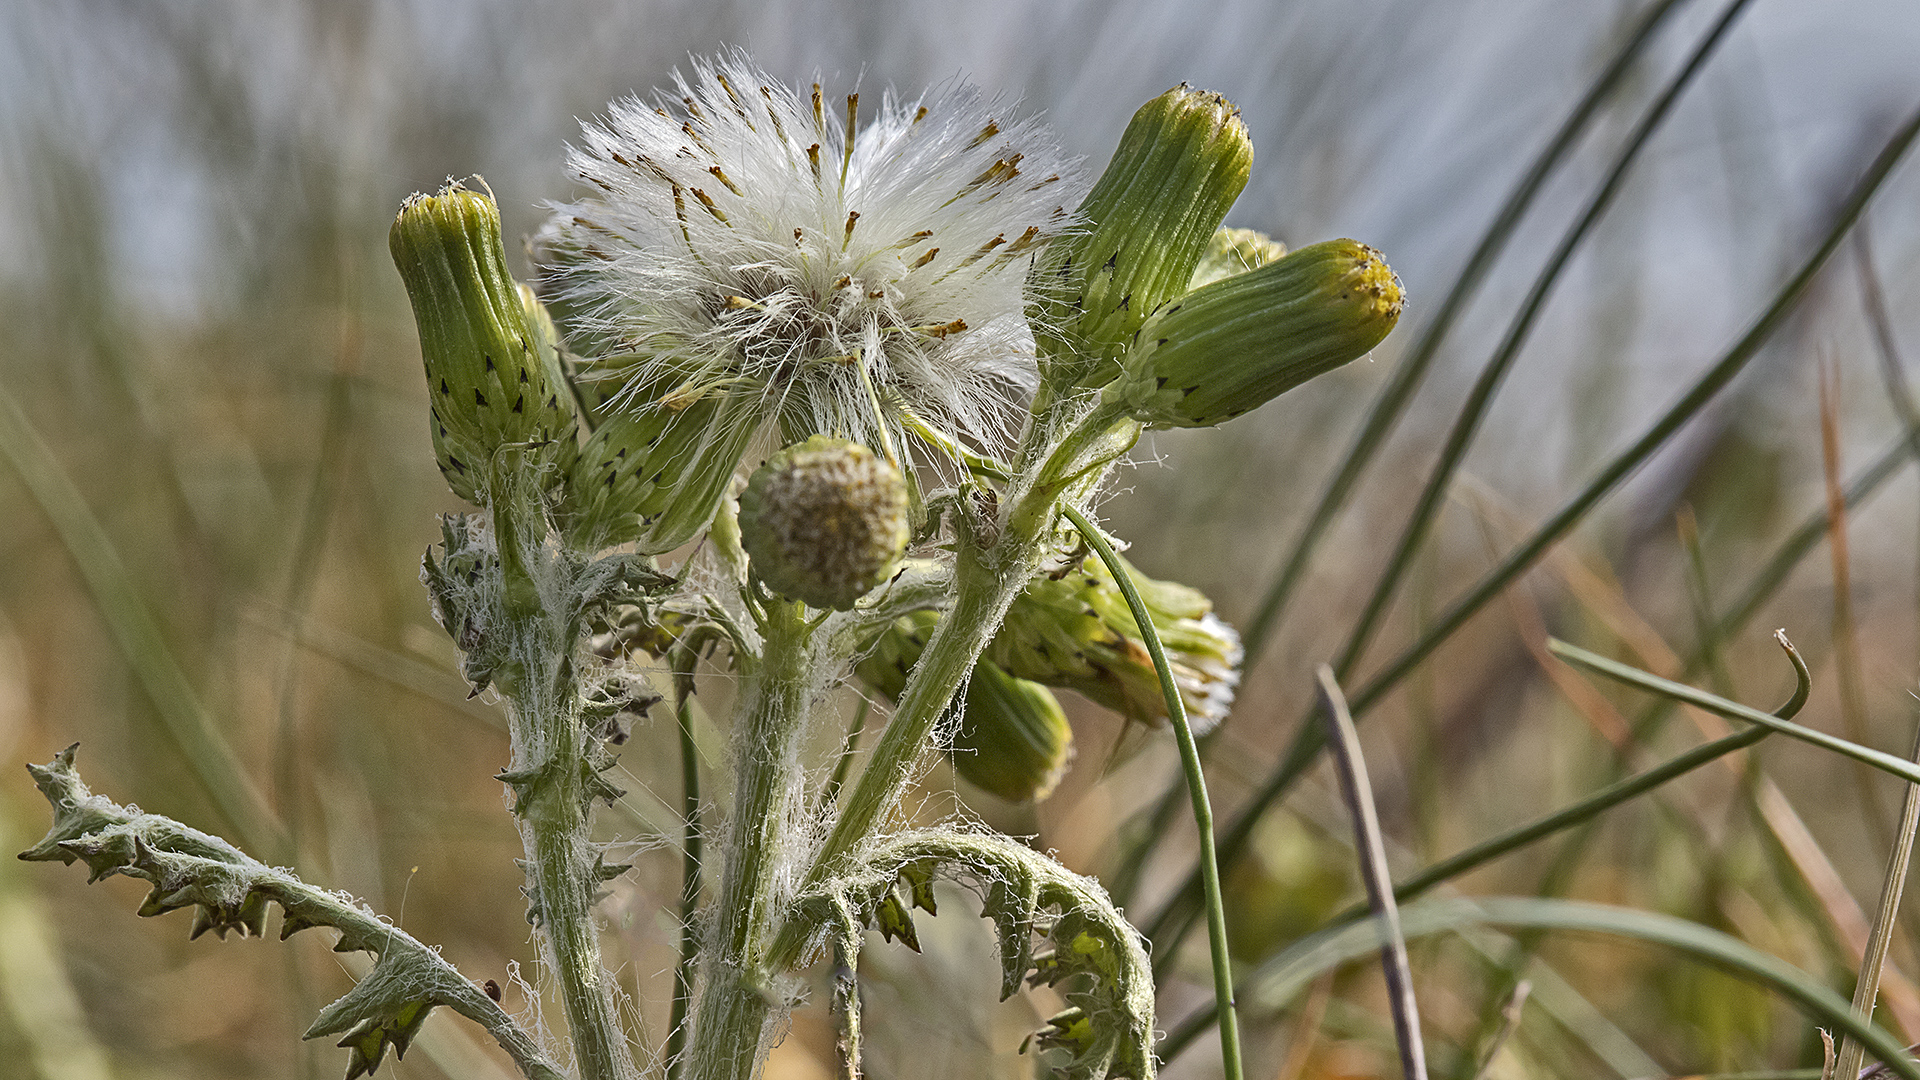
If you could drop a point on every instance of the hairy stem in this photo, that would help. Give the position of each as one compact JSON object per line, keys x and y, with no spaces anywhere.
{"x":550,"y":774}
{"x":562,"y":863}
{"x":737,"y":999}
{"x":983,"y":588}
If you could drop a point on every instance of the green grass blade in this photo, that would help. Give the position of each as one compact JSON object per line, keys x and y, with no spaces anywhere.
{"x":1391,"y":403}
{"x":1560,"y":820}
{"x":1733,"y":710}
{"x":1473,"y":411}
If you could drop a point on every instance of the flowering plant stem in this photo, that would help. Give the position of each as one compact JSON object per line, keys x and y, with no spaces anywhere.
{"x":1196,"y":790}
{"x":551,"y":767}
{"x":997,"y":556}
{"x":736,"y":995}
{"x":684,"y":659}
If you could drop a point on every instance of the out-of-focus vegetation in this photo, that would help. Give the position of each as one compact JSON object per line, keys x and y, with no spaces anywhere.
{"x":208,"y":360}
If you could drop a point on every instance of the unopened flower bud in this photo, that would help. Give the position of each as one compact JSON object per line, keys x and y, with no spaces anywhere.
{"x":1014,"y":740}
{"x":1180,"y":165}
{"x":1235,"y":251}
{"x":1236,"y":344}
{"x":1077,"y":632}
{"x":824,"y":521}
{"x":653,"y":475}
{"x":492,"y":380}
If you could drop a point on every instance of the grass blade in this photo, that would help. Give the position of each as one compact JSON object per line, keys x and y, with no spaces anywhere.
{"x":1407,"y":376}
{"x":1713,"y":703}
{"x":1278,"y":980}
{"x":1358,"y":792}
{"x":1391,"y":403}
{"x":1866,"y":987}
{"x":1473,"y":411}
{"x":1509,"y":1023}
{"x":1560,"y":820}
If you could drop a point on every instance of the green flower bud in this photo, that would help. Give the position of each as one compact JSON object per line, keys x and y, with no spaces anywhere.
{"x":1077,"y":632}
{"x":653,"y":475}
{"x":491,"y":369}
{"x":1180,"y":165}
{"x":1014,"y":740}
{"x":1235,"y":251}
{"x":824,"y":521}
{"x":1238,"y":343}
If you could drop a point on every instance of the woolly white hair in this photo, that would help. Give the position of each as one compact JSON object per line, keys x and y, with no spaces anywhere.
{"x":748,"y":238}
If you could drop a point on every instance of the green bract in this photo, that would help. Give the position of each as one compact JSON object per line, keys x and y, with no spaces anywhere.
{"x":1180,"y":165}
{"x":824,"y":521}
{"x":1238,"y":343}
{"x":491,"y":369}
{"x":653,"y":475}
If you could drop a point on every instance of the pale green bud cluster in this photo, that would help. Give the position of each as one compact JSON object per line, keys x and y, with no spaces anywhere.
{"x":1237,"y":343}
{"x":1077,"y":632}
{"x":1181,"y":163}
{"x":824,"y":521}
{"x":1014,"y":740}
{"x":492,"y":371}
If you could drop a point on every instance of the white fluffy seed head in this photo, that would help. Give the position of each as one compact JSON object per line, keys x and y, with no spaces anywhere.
{"x":745,"y":238}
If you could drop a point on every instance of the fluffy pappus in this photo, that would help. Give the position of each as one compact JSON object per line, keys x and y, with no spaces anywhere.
{"x":746,"y":238}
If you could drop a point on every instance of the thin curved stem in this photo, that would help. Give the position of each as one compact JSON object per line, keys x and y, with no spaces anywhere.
{"x":1196,"y":791}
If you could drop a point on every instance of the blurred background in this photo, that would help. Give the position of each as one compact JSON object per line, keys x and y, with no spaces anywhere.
{"x":218,"y":485}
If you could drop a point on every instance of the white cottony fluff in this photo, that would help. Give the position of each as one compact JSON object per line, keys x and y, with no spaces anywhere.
{"x":745,"y":238}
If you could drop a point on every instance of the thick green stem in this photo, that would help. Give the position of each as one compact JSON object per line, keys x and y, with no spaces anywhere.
{"x":737,"y":998}
{"x":985,"y":583}
{"x":550,"y":774}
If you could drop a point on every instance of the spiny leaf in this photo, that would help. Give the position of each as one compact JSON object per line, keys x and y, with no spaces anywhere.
{"x":230,"y":891}
{"x":1019,"y":887}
